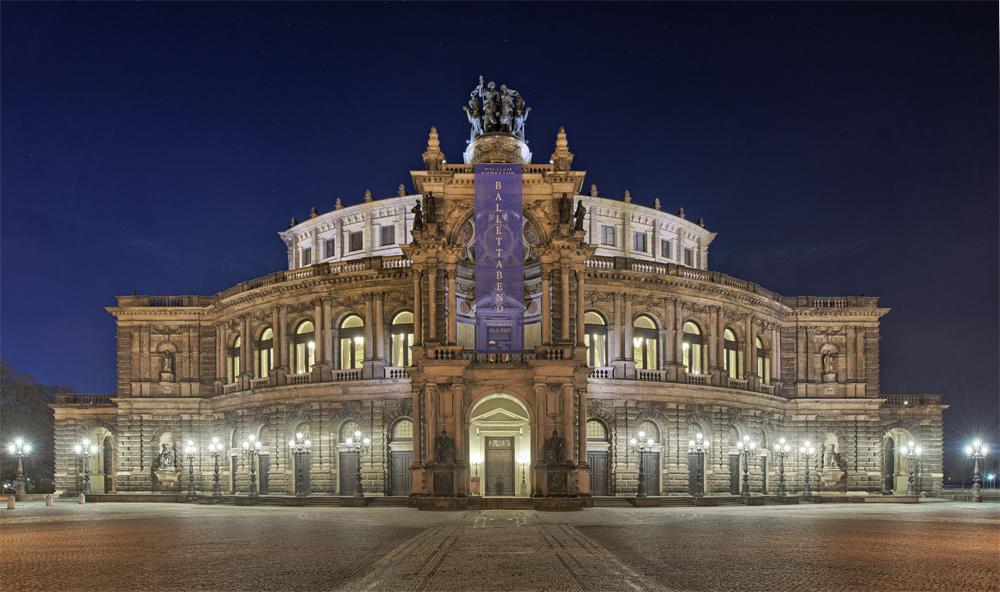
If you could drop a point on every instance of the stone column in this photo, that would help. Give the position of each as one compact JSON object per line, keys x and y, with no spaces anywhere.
{"x":246,"y":353}
{"x":327,"y":331}
{"x":580,"y":308}
{"x":369,"y":334}
{"x":432,"y":305}
{"x":750,"y":367}
{"x":275,"y":339}
{"x":776,"y":354}
{"x":627,"y":342}
{"x":564,"y":277}
{"x":220,"y":353}
{"x":851,"y":366}
{"x":582,"y":432}
{"x":417,"y":452}
{"x":452,"y":309}
{"x":418,"y":326}
{"x":546,"y":306}
{"x":379,"y":329}
{"x":431,"y":411}
{"x":319,"y":335}
{"x":614,"y":331}
{"x":283,"y":332}
{"x":567,"y":427}
{"x":862,"y":363}
{"x":663,"y":341}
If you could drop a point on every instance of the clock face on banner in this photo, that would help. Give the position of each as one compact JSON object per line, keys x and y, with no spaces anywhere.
{"x":499,"y":259}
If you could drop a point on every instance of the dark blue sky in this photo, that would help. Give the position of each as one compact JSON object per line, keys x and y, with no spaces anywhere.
{"x":836,"y":148}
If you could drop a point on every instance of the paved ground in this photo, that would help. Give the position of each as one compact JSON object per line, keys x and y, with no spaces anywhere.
{"x":96,"y":547}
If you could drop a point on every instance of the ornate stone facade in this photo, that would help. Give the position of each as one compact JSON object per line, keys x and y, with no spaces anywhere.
{"x":371,"y":329}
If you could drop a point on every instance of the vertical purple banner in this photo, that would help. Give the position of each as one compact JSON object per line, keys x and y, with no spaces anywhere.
{"x":499,"y":259}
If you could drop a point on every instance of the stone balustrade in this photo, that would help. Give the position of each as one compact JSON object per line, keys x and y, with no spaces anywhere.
{"x":259,"y":383}
{"x":74,"y":399}
{"x":909,"y":400}
{"x":699,"y":379}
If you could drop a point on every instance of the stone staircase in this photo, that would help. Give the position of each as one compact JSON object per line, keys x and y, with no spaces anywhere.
{"x":388,"y":502}
{"x":507,"y":503}
{"x":611,"y":502}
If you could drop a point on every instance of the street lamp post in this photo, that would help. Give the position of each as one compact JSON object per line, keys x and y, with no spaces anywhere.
{"x":300,"y":447}
{"x":360,"y":445}
{"x":189,"y":451}
{"x":991,"y":477}
{"x":524,"y":459}
{"x":746,"y":447}
{"x":215,"y":449}
{"x":85,"y":449}
{"x":20,"y":449}
{"x":639,"y":445}
{"x":251,"y":448}
{"x":807,"y":451}
{"x":912,"y":453}
{"x":977,"y":451}
{"x":781,"y":449}
{"x":698,"y":446}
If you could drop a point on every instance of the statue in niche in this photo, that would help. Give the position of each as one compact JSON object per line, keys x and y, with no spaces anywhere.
{"x":444,"y":449}
{"x":168,"y":363}
{"x":555,"y":448}
{"x":475,"y":115}
{"x":430,"y":207}
{"x":830,"y":456}
{"x":418,"y":217}
{"x":580,"y":213}
{"x":167,"y":456}
{"x":565,"y":205}
{"x":828,"y":363}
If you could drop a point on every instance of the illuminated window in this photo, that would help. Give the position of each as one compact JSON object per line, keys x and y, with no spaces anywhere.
{"x":306,"y":257}
{"x":595,"y":337}
{"x":731,"y":354}
{"x":264,"y":360}
{"x":649,"y":428}
{"x":639,"y":241}
{"x":305,"y":347}
{"x":402,"y":338}
{"x":403,"y":430}
{"x":352,"y":342}
{"x":357,"y":241}
{"x":763,"y":363}
{"x":387,"y":235}
{"x":692,"y":346}
{"x":348,"y":430}
{"x":665,"y":250}
{"x":233,"y":361}
{"x":329,"y":248}
{"x":644,"y":344}
{"x":596,"y":430}
{"x":608,"y":235}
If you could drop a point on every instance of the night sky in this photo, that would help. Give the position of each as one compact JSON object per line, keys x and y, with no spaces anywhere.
{"x":835,"y":149}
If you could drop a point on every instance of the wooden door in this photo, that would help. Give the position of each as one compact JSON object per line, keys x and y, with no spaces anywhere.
{"x":763,"y":475}
{"x":402,"y":478}
{"x":303,"y":463}
{"x":348,"y":469}
{"x":695,"y":484}
{"x":234,"y":469}
{"x":734,"y":474}
{"x":651,"y":468}
{"x":598,"y":462}
{"x":263,"y":473}
{"x":500,"y":471}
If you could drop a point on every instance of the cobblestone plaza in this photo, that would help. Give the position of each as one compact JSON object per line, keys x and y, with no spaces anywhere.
{"x":934,"y":545}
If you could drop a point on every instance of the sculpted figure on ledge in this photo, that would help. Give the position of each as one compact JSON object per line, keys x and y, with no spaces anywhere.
{"x":501,"y":111}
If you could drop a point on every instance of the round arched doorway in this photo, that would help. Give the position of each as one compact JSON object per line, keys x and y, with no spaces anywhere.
{"x":500,"y":446}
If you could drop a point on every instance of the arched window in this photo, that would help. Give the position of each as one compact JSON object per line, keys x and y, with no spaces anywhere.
{"x":305,"y":347}
{"x":644,"y":340}
{"x":233,"y":361}
{"x":348,"y":430}
{"x":595,"y":337}
{"x":596,"y":431}
{"x":763,"y":362}
{"x":732,"y":354}
{"x":402,"y":338}
{"x":265,"y":354}
{"x":402,"y":430}
{"x":352,"y":342}
{"x":692,"y":347}
{"x":650,"y":430}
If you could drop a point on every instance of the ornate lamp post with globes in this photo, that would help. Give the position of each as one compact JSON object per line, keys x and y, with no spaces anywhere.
{"x":85,"y":450}
{"x":977,"y":450}
{"x":215,"y":449}
{"x":360,"y":445}
{"x":781,"y":449}
{"x":746,"y":447}
{"x":640,"y":446}
{"x":189,"y":451}
{"x":912,"y":453}
{"x":20,"y":449}
{"x":698,"y":446}
{"x":300,"y":447}
{"x":807,"y":450}
{"x":251,"y":448}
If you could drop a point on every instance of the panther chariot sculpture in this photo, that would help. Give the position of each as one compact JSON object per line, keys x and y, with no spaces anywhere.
{"x":497,"y":121}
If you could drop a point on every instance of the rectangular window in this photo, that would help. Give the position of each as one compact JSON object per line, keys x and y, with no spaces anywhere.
{"x":387,"y":235}
{"x":639,"y":242}
{"x":689,"y":257}
{"x":329,"y":248}
{"x":357,"y":241}
{"x":306,"y":257}
{"x":608,"y":235}
{"x":665,"y":249}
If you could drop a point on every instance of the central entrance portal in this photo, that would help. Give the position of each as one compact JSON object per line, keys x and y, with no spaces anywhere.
{"x":500,"y":434}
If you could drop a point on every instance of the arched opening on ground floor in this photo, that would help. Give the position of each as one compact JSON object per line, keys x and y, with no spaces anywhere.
{"x":499,"y":445}
{"x":895,"y":464}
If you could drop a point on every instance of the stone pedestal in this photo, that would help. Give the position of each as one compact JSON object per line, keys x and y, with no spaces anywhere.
{"x":166,"y":377}
{"x":166,"y":481}
{"x":443,"y":480}
{"x":557,"y":479}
